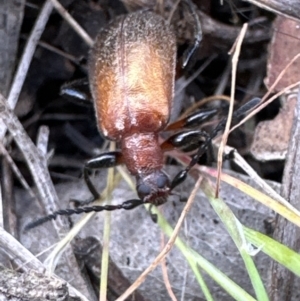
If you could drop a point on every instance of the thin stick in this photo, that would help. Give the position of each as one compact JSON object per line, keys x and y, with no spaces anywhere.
{"x":232,"y":94}
{"x":26,"y":58}
{"x":36,"y":162}
{"x":280,"y":76}
{"x":16,"y":170}
{"x":175,"y":5}
{"x":223,"y":79}
{"x":166,"y":249}
{"x":56,"y":50}
{"x":279,"y":7}
{"x":186,"y":82}
{"x":106,"y":235}
{"x":42,"y":140}
{"x":165,"y":272}
{"x":265,"y":102}
{"x":242,"y":163}
{"x":202,"y":102}
{"x":74,"y":24}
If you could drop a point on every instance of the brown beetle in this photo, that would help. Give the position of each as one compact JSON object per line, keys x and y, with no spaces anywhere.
{"x":131,"y":74}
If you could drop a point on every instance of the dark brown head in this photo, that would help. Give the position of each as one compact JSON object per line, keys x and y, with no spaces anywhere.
{"x":153,"y":188}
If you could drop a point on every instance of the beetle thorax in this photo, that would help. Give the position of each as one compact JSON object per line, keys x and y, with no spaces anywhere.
{"x":142,"y":153}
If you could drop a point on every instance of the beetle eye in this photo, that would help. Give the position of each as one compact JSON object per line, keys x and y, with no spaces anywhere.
{"x":143,"y":190}
{"x":162,"y":181}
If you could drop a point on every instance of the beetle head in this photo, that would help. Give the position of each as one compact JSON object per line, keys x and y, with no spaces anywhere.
{"x":153,"y":188}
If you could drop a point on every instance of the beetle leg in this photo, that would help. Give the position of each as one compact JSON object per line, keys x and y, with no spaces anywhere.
{"x":77,"y":91}
{"x":237,"y":115}
{"x":197,"y":34}
{"x":187,"y":140}
{"x":105,"y":160}
{"x":192,"y":120}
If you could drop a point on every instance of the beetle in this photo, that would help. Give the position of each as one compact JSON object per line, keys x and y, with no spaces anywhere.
{"x":131,"y":75}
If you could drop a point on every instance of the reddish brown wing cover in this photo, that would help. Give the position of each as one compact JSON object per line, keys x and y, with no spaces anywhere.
{"x":131,"y":71}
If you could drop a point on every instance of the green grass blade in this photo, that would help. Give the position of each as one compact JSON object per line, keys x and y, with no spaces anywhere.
{"x":193,"y":258}
{"x":277,"y":251}
{"x":235,"y":230}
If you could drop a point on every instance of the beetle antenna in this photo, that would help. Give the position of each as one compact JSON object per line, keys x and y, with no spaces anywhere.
{"x":128,"y":205}
{"x":197,"y":34}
